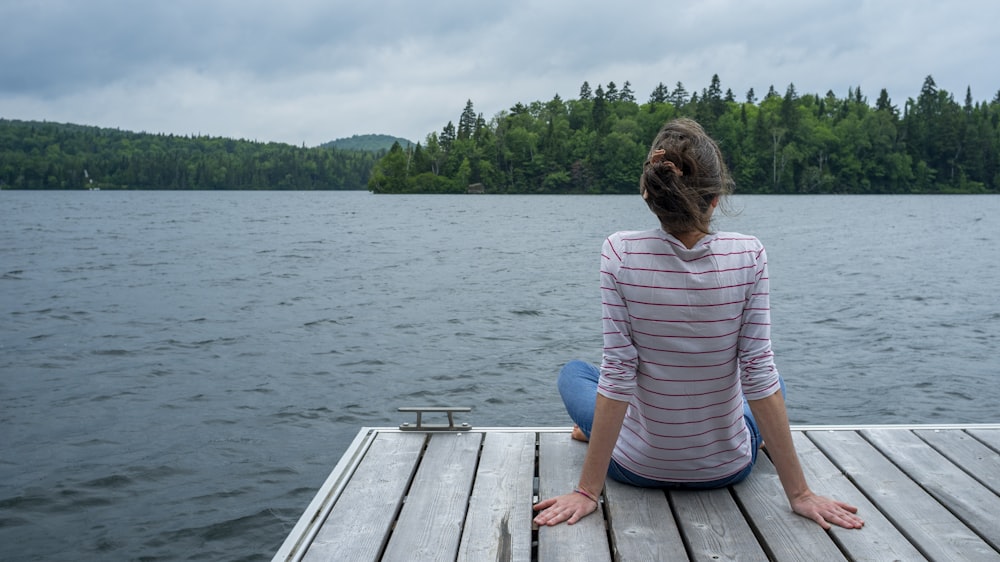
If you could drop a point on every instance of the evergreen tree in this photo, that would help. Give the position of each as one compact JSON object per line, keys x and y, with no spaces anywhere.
{"x":627,"y":95}
{"x":711,"y":105}
{"x":611,"y":93}
{"x":885,"y":104}
{"x":789,"y":113}
{"x":660,"y":94}
{"x":466,"y":122}
{"x":714,"y":92}
{"x":679,"y":96}
{"x":448,"y":137}
{"x":600,"y":112}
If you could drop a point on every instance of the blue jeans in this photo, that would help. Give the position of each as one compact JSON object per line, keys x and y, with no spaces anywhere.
{"x":578,"y":388}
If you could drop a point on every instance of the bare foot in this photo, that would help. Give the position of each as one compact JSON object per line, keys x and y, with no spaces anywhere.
{"x":578,"y":434}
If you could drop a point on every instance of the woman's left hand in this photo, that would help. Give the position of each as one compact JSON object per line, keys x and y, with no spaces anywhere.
{"x":568,"y":508}
{"x":825,"y":511}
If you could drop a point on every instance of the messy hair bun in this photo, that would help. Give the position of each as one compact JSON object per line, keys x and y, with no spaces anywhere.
{"x":682,"y":176}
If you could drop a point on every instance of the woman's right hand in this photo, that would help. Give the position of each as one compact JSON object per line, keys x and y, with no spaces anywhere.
{"x":567,"y":508}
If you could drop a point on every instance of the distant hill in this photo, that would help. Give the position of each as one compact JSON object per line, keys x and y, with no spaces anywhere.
{"x":371,"y":143}
{"x":44,"y":155}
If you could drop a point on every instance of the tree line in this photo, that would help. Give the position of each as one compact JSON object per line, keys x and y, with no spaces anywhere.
{"x":790,"y":143}
{"x":42,"y":155}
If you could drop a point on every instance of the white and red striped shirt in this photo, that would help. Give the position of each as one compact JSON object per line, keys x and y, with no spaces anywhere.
{"x":687,"y":333}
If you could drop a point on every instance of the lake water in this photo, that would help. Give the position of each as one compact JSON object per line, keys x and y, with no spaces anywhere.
{"x":179,"y":371}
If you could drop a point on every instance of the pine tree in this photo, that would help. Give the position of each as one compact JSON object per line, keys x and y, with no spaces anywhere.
{"x":447,"y":138}
{"x":600,"y":112}
{"x":714,"y":92}
{"x":611,"y":93}
{"x":626,"y":94}
{"x":679,"y":97}
{"x":885,"y":104}
{"x":660,"y":94}
{"x":789,"y":115}
{"x":467,"y":122}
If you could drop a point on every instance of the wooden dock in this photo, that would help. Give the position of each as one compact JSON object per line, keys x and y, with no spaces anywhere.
{"x":925,"y":492}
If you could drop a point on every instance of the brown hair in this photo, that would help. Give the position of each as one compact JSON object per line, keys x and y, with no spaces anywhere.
{"x":683,"y":174}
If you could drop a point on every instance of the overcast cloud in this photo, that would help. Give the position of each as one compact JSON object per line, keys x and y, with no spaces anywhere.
{"x":310,"y":71}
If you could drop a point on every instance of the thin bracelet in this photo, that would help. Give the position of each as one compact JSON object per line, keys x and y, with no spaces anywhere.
{"x":586,"y":494}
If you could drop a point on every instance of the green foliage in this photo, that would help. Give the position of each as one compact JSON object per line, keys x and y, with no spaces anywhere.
{"x":791,"y":143}
{"x":371,"y":143}
{"x":41,"y":155}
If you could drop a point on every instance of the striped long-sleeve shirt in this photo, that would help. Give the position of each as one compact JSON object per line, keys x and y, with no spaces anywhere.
{"x":686,"y":335}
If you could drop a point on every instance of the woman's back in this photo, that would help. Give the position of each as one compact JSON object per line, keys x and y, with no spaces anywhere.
{"x":687,"y":323}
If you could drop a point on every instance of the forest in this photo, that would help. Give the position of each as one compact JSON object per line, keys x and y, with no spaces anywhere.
{"x":594,"y":144}
{"x":779,"y":143}
{"x":42,"y":155}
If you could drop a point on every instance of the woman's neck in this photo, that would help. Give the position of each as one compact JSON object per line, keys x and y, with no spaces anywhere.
{"x":689,"y":239}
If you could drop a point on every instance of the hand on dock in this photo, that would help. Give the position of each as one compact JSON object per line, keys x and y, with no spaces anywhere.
{"x":825,"y":511}
{"x":568,"y":508}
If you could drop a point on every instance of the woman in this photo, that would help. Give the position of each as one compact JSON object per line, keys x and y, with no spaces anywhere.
{"x":687,"y":388}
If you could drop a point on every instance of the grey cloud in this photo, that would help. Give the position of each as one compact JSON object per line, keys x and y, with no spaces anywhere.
{"x":314,"y":69}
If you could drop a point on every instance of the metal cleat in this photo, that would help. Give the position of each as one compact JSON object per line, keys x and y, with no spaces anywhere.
{"x":420,"y":426}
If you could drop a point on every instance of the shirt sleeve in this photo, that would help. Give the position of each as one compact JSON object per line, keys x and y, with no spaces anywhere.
{"x":758,"y":373}
{"x":618,"y":366}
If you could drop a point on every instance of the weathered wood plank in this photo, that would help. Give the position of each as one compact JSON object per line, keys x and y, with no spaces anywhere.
{"x":498,"y":524}
{"x":641,"y":524}
{"x":714,"y":527}
{"x":922,"y":491}
{"x":991,"y":437}
{"x":430,"y":524}
{"x":359,"y":523}
{"x":879,"y":539}
{"x":968,"y":453}
{"x":930,"y":527}
{"x":786,"y":536}
{"x":970,"y":501}
{"x":559,"y":462}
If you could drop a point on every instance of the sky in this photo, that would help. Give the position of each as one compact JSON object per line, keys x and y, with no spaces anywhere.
{"x":306,"y":72}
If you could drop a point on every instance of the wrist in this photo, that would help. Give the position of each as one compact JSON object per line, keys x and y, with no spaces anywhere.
{"x":583,"y":492}
{"x":800,"y":494}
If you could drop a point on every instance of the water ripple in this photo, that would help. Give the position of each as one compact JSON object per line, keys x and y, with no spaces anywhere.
{"x":182,"y":370}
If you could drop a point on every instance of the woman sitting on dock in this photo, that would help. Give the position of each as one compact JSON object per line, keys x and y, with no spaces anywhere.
{"x":687,"y":390}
